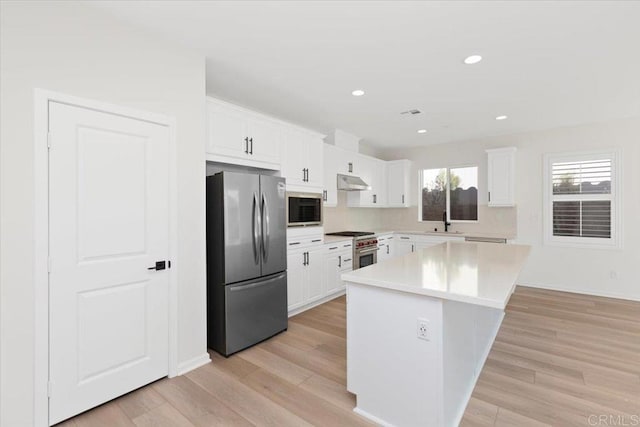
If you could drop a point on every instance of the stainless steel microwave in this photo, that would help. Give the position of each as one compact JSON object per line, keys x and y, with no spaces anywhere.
{"x":304,"y":209}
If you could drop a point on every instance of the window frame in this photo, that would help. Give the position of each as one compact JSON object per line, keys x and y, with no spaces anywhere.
{"x":615,"y":241}
{"x":448,"y":194}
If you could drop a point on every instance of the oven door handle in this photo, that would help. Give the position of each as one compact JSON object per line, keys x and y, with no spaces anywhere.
{"x":366,"y":251}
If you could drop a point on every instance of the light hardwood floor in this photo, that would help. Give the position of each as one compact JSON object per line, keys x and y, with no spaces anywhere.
{"x":558,"y":359}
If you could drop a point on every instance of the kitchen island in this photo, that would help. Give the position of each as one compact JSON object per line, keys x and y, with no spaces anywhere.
{"x":419,"y":328}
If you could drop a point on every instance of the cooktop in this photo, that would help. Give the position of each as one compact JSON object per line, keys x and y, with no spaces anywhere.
{"x":352,"y":233}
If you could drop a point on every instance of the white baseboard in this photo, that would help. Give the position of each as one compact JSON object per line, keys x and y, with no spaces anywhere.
{"x":373,"y":418}
{"x":580,"y":292}
{"x":191,"y":364}
{"x":479,"y":367}
{"x":317,"y":303}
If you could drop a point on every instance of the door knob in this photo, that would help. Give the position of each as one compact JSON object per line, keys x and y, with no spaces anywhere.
{"x":160,"y":265}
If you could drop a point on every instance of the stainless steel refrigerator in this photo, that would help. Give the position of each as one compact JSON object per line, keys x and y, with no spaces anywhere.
{"x":246,"y":260}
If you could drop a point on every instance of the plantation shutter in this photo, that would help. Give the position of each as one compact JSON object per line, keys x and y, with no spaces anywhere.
{"x":582,"y":198}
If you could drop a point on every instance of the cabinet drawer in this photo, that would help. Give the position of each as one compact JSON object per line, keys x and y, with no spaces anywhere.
{"x":304,"y":242}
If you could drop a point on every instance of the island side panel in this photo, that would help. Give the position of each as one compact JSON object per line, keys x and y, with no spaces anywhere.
{"x":468,"y":334}
{"x":396,"y":377}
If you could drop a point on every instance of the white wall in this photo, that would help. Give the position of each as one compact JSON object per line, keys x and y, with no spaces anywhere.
{"x":576,"y":270}
{"x":74,"y":49}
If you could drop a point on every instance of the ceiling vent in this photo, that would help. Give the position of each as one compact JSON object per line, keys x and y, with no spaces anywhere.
{"x":412,"y":112}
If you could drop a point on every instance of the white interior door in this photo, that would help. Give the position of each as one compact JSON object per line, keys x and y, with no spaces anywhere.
{"x":109,"y":219}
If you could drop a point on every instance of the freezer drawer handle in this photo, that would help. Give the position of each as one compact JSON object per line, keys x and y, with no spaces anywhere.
{"x":160,"y":265}
{"x":253,"y":285}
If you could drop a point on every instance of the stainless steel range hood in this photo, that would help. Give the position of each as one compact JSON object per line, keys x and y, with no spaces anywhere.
{"x":352,"y":183}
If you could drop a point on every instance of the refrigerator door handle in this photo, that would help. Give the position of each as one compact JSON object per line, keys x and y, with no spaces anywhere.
{"x":266,"y":232}
{"x":256,"y":230}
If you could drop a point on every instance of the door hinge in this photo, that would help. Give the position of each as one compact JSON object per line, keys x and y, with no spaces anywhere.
{"x":49,"y":389}
{"x":48,"y":140}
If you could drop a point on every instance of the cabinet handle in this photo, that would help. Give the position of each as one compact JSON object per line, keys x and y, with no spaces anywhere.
{"x":489,"y":196}
{"x":304,"y":175}
{"x":335,"y":247}
{"x":387,"y":249}
{"x":246,"y":145}
{"x":350,"y":167}
{"x":339,"y":261}
{"x":307,"y":174}
{"x":375,"y":198}
{"x":347,"y":260}
{"x":413,"y":247}
{"x":405,"y":238}
{"x":305,"y":258}
{"x":251,"y":141}
{"x":316,"y":240}
{"x":324,"y":195}
{"x":403,"y":199}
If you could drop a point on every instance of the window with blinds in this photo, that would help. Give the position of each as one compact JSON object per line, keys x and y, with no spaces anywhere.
{"x":582,"y":205}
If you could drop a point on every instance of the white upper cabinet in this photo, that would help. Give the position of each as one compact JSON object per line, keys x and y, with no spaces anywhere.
{"x":303,"y":160}
{"x":265,"y":137}
{"x":242,"y":137}
{"x":226,"y":131}
{"x":373,"y":172}
{"x":501,"y":167}
{"x":315,"y":162}
{"x":399,"y":183}
{"x":331,"y":163}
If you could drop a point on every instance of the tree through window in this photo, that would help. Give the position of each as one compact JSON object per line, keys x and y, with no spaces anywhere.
{"x":451,"y":190}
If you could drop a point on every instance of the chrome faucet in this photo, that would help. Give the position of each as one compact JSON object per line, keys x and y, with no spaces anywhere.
{"x":444,"y":219}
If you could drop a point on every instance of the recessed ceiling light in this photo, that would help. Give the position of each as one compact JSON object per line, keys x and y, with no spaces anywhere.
{"x":357,"y":92}
{"x":473,"y":59}
{"x":422,"y":131}
{"x":501,"y":117}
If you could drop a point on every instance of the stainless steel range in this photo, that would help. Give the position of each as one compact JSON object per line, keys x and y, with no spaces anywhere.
{"x":365,"y":247}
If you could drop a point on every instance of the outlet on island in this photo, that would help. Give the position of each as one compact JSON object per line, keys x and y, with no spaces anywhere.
{"x":423,"y":329}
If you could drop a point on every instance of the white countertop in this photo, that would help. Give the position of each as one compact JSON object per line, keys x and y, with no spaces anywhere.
{"x":476,"y":273}
{"x":452,"y":234}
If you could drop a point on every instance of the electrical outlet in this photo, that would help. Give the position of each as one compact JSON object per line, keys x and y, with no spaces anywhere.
{"x":423,"y":329}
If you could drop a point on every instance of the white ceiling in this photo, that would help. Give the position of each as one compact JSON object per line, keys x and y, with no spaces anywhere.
{"x":546,"y":64}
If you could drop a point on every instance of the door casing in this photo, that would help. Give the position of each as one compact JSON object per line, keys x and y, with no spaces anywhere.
{"x":42,"y":98}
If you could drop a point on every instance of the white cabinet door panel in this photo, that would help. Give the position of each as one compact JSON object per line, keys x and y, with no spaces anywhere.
{"x":331,"y":160}
{"x":296,"y":271}
{"x":315,"y":162}
{"x":264,"y":140}
{"x":501,"y":177}
{"x":294,"y":153}
{"x":227,"y":131}
{"x":314,"y":274}
{"x":398,"y":183}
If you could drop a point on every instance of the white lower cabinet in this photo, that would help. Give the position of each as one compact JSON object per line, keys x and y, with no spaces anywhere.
{"x":304,"y":276}
{"x":296,"y":269}
{"x":337,"y":260}
{"x":404,"y":245}
{"x":407,"y":243}
{"x":385,"y":247}
{"x":314,"y":275}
